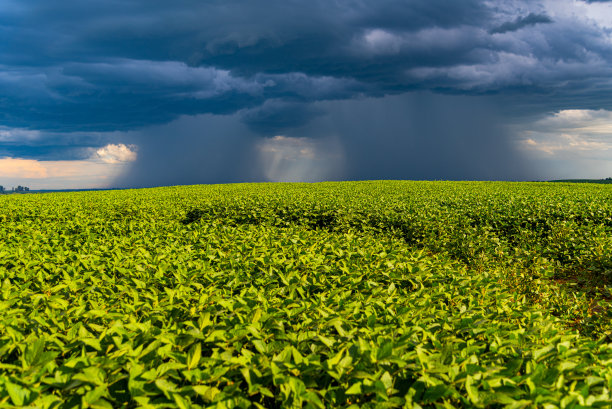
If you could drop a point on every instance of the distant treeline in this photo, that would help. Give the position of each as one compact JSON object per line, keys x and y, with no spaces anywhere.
{"x":606,"y":180}
{"x":18,"y":189}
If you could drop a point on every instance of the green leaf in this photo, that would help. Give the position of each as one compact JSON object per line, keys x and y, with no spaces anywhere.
{"x":384,"y":351}
{"x":435,"y":393}
{"x":471,"y":390}
{"x":33,"y":352}
{"x":165,"y":386}
{"x":208,"y":393}
{"x":355,"y":389}
{"x":193,"y":357}
{"x":92,"y":342}
{"x":19,"y":395}
{"x":94,"y":395}
{"x":180,"y":401}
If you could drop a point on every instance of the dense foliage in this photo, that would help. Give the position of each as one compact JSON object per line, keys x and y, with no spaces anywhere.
{"x":363,"y":294}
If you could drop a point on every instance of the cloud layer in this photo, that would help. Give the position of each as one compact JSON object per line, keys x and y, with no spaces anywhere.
{"x":105,"y":66}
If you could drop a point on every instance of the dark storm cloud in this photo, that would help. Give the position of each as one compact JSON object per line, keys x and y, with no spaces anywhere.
{"x":103,"y":65}
{"x":74,"y":70}
{"x":45,"y":145}
{"x":529,"y":20}
{"x":411,"y":136}
{"x":423,"y":136}
{"x":47,"y":152}
{"x":276,"y":115}
{"x":193,"y":150}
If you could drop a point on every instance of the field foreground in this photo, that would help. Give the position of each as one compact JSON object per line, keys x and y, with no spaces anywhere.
{"x":352,"y":294}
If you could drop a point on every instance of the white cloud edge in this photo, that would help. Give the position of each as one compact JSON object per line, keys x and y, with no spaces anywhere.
{"x":102,"y":167}
{"x":577,"y":133}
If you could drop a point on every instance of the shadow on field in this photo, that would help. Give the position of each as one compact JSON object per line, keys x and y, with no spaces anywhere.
{"x":568,"y":251}
{"x":593,"y":280}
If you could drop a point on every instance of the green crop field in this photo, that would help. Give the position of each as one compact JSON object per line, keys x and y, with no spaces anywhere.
{"x":329,"y":295}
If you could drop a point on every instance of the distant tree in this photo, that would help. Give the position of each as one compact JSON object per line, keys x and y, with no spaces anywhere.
{"x":18,"y":189}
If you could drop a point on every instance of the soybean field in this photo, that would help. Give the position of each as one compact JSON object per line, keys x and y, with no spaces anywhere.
{"x":381,"y":294}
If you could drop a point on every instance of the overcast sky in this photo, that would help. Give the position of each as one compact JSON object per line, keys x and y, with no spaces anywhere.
{"x":130,"y":93}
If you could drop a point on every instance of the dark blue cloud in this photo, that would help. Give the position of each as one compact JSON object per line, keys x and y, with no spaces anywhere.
{"x":277,"y":115}
{"x":79,"y":68}
{"x":46,"y":152}
{"x":412,"y":136}
{"x":530,"y":20}
{"x":102,"y":65}
{"x":121,"y":65}
{"x":46,"y":145}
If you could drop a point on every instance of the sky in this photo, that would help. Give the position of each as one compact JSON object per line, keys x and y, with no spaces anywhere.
{"x":138,"y":93}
